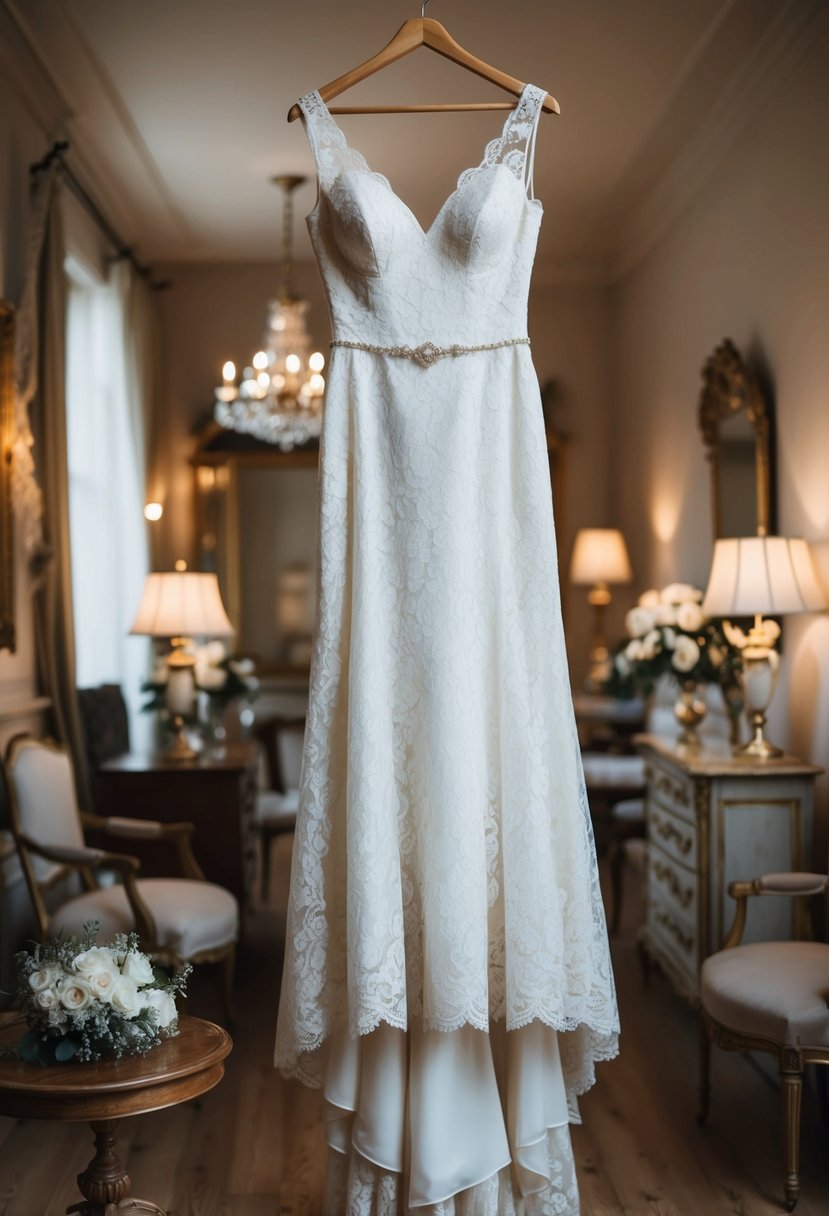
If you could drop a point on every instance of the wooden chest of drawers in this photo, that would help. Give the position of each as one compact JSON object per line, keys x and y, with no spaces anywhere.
{"x":712,"y":818}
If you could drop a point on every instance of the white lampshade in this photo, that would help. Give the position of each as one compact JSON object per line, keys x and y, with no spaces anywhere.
{"x":600,"y":556}
{"x":769,"y":575}
{"x":182,"y":604}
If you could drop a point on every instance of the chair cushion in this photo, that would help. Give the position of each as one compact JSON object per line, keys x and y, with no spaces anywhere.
{"x":190,"y":916}
{"x":275,"y":810}
{"x":601,"y":769}
{"x":772,"y":990}
{"x":629,"y":810}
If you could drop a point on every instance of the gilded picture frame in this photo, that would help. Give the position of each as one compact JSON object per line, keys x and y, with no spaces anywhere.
{"x":7,"y":624}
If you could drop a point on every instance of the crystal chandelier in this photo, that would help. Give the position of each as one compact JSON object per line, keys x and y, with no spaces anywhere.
{"x":279,"y":398}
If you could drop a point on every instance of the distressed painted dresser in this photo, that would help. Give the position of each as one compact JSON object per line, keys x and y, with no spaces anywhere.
{"x":712,"y":818}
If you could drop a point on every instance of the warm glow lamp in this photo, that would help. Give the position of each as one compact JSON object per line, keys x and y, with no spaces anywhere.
{"x":181,"y":605}
{"x":600,"y":557}
{"x":761,"y":576}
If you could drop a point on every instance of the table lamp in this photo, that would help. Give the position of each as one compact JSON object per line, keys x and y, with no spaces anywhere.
{"x":181,"y":605}
{"x":761,"y":576}
{"x":600,"y":557}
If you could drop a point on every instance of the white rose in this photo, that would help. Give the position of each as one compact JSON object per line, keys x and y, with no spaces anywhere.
{"x":213,"y":678}
{"x":47,"y":998}
{"x":665,"y":615}
{"x":648,"y":648}
{"x":689,"y":616}
{"x":639,"y":621}
{"x":44,"y":978}
{"x":633,"y":651}
{"x":74,"y":994}
{"x":771,"y":629}
{"x":734,"y":634}
{"x":102,"y":983}
{"x":649,"y":599}
{"x":125,"y":998}
{"x":139,"y":968}
{"x":622,"y":664}
{"x":99,"y":958}
{"x":686,"y":654}
{"x":216,"y":652}
{"x":243,"y":667}
{"x":668,"y":638}
{"x":680,"y":593}
{"x":162,"y":1003}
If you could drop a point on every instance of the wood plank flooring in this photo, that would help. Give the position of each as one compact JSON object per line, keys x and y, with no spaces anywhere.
{"x":254,"y":1146}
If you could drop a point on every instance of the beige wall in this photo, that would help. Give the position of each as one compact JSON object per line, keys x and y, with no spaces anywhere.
{"x":750,"y":261}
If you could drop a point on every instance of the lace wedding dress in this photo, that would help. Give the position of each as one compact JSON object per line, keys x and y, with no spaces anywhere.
{"x":447,"y":975}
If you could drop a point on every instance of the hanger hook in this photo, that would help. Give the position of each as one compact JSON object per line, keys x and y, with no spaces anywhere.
{"x":423,"y":9}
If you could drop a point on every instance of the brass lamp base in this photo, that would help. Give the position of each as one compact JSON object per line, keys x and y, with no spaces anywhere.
{"x":758,"y":746}
{"x":599,"y":598}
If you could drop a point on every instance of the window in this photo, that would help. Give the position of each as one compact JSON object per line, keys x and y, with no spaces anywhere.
{"x":106,"y":493}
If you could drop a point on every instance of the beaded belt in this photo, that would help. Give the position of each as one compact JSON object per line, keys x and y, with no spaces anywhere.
{"x":427,"y":353}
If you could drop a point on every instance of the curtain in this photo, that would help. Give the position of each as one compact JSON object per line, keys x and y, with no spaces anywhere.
{"x":112,"y":366}
{"x":53,"y":614}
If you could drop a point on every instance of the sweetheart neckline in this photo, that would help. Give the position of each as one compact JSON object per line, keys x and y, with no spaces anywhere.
{"x":464,"y":175}
{"x":426,"y":233}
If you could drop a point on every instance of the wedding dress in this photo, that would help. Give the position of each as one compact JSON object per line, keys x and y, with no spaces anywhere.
{"x":447,"y":976}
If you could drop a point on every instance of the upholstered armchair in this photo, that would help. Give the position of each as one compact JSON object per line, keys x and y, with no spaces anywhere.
{"x":178,"y":920}
{"x":773,"y":997}
{"x":276,"y":806}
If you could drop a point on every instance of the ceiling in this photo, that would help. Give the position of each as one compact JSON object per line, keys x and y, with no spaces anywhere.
{"x":177,"y":108}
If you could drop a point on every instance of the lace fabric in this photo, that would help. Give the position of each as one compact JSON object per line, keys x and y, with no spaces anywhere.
{"x":444,"y":871}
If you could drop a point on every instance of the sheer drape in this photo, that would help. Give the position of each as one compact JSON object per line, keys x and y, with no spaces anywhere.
{"x":112,"y":334}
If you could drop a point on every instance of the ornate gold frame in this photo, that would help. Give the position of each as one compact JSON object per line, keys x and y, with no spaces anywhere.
{"x":7,"y":629}
{"x":729,"y":387}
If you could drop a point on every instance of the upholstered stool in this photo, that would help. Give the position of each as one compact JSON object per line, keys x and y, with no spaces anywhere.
{"x":769,"y":996}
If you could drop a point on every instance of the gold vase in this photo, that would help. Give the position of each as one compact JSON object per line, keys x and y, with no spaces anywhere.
{"x":689,"y":711}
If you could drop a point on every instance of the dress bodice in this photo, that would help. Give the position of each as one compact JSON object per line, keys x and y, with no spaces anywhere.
{"x":465,"y":279}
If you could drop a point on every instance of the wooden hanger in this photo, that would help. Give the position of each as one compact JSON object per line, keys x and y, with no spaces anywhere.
{"x":424,"y":31}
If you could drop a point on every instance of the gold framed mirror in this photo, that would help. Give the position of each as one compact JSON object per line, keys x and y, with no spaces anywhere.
{"x":7,"y":632}
{"x":737,"y":429}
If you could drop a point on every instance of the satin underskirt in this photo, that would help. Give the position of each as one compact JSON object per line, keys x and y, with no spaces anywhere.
{"x":457,"y":1124}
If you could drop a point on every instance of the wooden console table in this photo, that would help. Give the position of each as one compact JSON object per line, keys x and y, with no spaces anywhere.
{"x":713,"y":817}
{"x":216,"y":795}
{"x":179,"y":1069}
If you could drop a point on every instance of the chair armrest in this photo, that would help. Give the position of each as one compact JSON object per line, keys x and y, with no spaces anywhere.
{"x":178,"y":834}
{"x":792,"y":884}
{"x":81,"y":857}
{"x":84,"y":859}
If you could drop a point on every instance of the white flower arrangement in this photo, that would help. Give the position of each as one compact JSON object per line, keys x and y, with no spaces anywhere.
{"x":87,"y":1002}
{"x":668,"y":634}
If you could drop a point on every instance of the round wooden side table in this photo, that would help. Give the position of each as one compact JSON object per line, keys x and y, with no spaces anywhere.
{"x":100,"y":1094}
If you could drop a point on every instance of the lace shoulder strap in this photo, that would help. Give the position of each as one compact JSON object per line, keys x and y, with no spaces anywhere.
{"x":515,"y":146}
{"x":330,"y":150}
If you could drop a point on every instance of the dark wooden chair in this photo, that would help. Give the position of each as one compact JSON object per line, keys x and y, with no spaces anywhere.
{"x":276,"y":807}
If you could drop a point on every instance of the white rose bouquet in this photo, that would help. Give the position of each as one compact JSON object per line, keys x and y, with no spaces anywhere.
{"x":87,"y":1002}
{"x":668,"y":634}
{"x":225,"y":678}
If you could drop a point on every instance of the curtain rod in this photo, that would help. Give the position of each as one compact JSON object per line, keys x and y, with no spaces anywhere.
{"x":58,"y":153}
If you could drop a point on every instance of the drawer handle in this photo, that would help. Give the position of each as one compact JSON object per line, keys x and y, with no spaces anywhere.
{"x":666,"y":786}
{"x":665,"y":874}
{"x":668,"y":832}
{"x":682,"y":939}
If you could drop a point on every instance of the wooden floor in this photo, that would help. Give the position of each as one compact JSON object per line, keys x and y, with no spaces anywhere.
{"x":253,"y":1147}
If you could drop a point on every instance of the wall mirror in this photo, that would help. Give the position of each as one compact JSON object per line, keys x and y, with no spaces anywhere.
{"x":256,"y":513}
{"x":7,"y":633}
{"x":735,"y":418}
